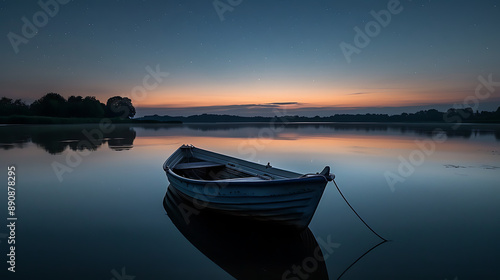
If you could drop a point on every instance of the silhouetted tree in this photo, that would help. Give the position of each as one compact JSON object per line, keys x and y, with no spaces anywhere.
{"x":75,"y":106}
{"x":10,"y":107}
{"x":51,"y":104}
{"x":88,"y":107}
{"x":121,"y":107}
{"x":93,"y":107}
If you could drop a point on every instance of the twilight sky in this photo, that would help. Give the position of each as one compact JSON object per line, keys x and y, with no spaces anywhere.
{"x":255,"y":57}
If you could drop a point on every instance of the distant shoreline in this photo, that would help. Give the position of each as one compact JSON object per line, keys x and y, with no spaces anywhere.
{"x":451,"y":116}
{"x":6,"y":121}
{"x":427,"y":116}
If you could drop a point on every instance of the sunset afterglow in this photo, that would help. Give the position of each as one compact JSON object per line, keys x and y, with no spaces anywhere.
{"x":182,"y":58}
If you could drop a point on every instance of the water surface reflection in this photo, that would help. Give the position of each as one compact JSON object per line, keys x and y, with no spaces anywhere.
{"x":107,"y":213}
{"x":245,"y":250}
{"x":56,"y":139}
{"x":465,"y":131}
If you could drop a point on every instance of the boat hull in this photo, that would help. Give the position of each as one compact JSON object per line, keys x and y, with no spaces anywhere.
{"x":284,"y":202}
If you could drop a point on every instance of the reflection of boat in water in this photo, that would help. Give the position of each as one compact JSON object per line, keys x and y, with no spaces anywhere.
{"x":244,"y":249}
{"x":245,"y":189}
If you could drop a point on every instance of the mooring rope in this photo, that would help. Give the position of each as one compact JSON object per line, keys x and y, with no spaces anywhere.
{"x":356,"y":212}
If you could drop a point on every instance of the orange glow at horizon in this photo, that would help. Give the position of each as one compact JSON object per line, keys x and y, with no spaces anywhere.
{"x":323,"y":96}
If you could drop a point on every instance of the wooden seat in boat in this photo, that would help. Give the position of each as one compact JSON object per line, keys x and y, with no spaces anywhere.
{"x":196,"y":165}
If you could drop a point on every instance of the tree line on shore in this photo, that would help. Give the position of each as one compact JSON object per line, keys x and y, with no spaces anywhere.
{"x":451,"y":116}
{"x":55,"y":105}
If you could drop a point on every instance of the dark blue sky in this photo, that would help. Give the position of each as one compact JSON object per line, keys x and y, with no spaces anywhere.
{"x":429,"y":54}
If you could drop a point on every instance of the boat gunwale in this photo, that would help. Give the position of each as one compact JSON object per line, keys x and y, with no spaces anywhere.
{"x":311,"y":177}
{"x":302,"y":177}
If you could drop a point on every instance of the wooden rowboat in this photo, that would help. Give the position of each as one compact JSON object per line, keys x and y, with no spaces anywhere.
{"x":237,"y":187}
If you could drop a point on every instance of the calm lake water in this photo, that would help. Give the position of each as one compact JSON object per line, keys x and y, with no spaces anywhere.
{"x":90,"y":203}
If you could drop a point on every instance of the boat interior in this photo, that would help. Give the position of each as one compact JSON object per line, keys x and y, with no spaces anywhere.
{"x":194,"y":168}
